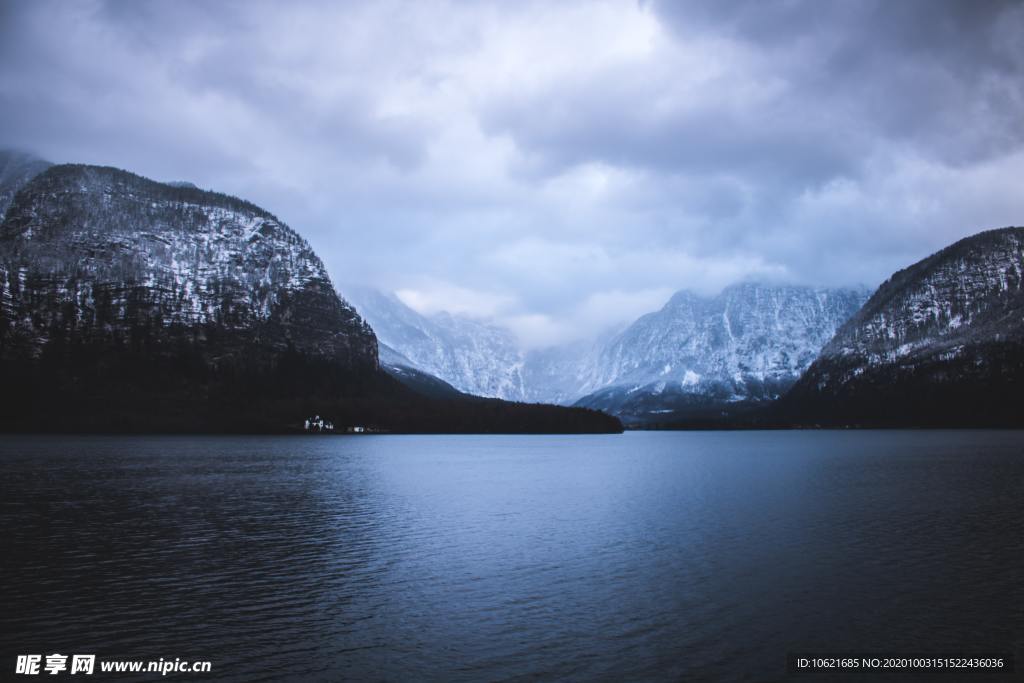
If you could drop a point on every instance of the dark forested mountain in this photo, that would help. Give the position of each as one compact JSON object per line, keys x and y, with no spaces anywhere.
{"x":16,"y":170}
{"x":131,"y":304}
{"x":939,"y":343}
{"x":702,"y":356}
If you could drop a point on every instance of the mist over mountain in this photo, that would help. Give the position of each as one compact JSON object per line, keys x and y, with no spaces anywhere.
{"x":562,"y":374}
{"x":16,"y":170}
{"x":566,"y":160}
{"x":940,"y":343}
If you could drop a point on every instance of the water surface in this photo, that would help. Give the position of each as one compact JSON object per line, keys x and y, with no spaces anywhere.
{"x":644,"y":556}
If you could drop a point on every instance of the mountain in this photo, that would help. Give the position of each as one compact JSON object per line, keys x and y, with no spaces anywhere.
{"x":698,"y":354}
{"x":132,"y":305}
{"x":473,"y":356}
{"x":108,"y":278}
{"x":93,"y":253}
{"x":939,"y":343}
{"x":701,"y":356}
{"x":16,"y":170}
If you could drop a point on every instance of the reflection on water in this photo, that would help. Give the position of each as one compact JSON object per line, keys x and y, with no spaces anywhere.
{"x":659,"y":556}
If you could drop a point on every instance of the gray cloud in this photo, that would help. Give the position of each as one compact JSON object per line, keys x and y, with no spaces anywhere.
{"x":914,"y":71}
{"x":557,"y":166}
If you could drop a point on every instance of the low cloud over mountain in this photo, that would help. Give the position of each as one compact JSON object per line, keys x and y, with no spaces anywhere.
{"x":549,"y":157}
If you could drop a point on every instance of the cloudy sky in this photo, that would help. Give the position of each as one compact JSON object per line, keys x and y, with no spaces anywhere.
{"x":555,"y":166}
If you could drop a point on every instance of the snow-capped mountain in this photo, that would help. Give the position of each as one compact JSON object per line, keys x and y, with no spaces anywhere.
{"x":99,"y":255}
{"x":748,"y":343}
{"x":940,"y":342}
{"x":473,"y":356}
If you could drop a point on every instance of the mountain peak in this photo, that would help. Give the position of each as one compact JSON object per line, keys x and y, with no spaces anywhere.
{"x":86,"y":178}
{"x":748,"y":343}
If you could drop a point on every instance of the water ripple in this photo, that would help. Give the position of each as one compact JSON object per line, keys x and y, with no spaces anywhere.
{"x":695,"y":556}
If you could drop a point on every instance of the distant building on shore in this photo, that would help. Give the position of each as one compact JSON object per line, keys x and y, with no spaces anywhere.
{"x":318,"y":424}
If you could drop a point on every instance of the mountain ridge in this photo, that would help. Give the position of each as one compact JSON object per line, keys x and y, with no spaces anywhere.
{"x":747,"y":344}
{"x":604,"y":372}
{"x":940,"y":342}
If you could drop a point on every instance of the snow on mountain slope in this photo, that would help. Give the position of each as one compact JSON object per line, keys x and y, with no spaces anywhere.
{"x":942,"y":339}
{"x":103,"y":256}
{"x":967,"y":291}
{"x":747,"y":335}
{"x":471,"y":355}
{"x":749,"y":342}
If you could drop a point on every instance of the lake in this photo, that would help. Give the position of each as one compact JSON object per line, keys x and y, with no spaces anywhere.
{"x":643,"y":556}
